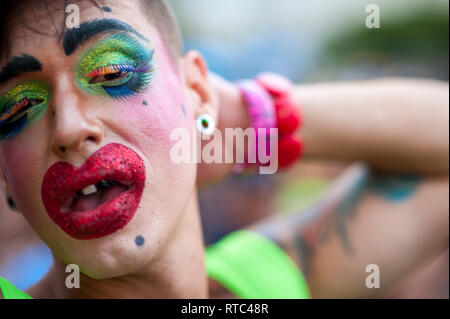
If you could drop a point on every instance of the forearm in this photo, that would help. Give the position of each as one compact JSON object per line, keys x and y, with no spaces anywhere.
{"x":396,"y":125}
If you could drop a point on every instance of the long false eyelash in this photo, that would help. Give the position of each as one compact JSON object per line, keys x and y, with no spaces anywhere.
{"x":19,"y":112}
{"x":30,"y":103}
{"x":14,"y":109}
{"x":142,"y":75}
{"x":111,"y":69}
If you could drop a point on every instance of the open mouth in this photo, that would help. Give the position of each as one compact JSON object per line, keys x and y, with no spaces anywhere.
{"x":98,"y":198}
{"x":95,"y":195}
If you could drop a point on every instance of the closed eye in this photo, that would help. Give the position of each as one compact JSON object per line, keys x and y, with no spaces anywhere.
{"x":109,"y":77}
{"x":18,"y":109}
{"x":110,"y":73}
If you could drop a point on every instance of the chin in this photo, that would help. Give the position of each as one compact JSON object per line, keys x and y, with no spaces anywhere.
{"x":113,"y":256}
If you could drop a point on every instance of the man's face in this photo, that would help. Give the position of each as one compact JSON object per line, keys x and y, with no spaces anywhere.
{"x":98,"y":111}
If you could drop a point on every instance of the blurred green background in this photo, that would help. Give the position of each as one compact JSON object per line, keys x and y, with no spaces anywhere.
{"x":318,"y":40}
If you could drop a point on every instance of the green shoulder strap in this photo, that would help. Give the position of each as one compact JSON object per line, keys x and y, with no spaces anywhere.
{"x":253,"y":267}
{"x":10,"y":292}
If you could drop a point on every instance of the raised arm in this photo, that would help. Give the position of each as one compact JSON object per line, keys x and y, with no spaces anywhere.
{"x":392,"y":209}
{"x":395,"y":125}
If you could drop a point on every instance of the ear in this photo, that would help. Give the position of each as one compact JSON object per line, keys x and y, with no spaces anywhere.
{"x":201,"y":92}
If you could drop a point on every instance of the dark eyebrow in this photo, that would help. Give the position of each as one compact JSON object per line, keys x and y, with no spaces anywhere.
{"x":75,"y":37}
{"x":19,"y":65}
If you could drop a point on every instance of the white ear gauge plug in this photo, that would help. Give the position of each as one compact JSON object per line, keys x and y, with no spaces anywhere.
{"x":205,"y":124}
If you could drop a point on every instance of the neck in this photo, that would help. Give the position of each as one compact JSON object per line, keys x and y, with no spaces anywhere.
{"x":179,"y":272}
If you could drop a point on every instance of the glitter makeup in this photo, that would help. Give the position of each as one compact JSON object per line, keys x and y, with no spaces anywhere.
{"x":116,"y":173}
{"x":24,"y":104}
{"x":119,"y":66}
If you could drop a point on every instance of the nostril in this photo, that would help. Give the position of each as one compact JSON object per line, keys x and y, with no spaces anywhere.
{"x":91,"y":139}
{"x":62,"y":149}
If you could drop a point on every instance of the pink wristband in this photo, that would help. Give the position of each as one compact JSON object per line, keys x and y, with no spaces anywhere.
{"x":262,"y":115}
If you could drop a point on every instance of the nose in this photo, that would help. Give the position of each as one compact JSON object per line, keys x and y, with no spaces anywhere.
{"x":76,"y":130}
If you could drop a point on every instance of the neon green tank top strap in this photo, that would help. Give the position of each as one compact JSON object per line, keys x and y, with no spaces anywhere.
{"x":253,"y":267}
{"x":10,"y":292}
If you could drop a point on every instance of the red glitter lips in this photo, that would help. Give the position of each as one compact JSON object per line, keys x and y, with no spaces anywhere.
{"x":98,"y":198}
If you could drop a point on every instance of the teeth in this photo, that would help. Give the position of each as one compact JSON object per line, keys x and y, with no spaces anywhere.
{"x":89,"y":190}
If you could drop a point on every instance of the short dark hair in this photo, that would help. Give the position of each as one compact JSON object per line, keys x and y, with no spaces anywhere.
{"x":159,"y":13}
{"x":162,"y":16}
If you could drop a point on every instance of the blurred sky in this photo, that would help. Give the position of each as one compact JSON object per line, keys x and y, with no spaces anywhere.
{"x":242,"y":38}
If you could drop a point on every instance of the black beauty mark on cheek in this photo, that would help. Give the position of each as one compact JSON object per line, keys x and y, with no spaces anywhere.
{"x":106,"y":9}
{"x":145,"y":103}
{"x":139,"y":240}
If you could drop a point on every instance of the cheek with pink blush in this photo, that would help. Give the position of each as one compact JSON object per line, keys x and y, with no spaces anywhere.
{"x":163,"y":107}
{"x":152,"y":115}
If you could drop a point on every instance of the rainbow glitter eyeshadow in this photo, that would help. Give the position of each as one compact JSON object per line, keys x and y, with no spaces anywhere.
{"x":21,"y":106}
{"x":118,"y":66}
